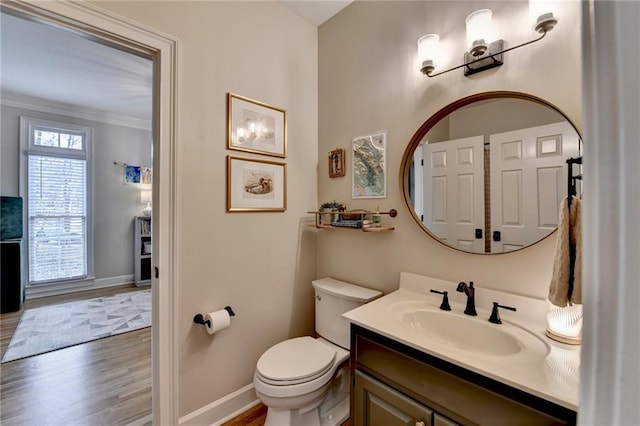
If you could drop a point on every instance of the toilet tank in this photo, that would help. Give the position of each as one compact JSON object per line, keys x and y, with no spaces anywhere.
{"x":333,"y":298}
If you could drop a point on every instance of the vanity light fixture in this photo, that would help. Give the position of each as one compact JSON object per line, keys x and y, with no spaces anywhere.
{"x":479,"y":31}
{"x":484,"y":52}
{"x":428,"y":52}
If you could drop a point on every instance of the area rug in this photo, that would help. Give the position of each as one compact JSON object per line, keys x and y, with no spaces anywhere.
{"x":59,"y":326}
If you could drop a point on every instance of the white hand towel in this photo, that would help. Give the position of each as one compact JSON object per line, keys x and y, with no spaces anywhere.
{"x":569,"y":233}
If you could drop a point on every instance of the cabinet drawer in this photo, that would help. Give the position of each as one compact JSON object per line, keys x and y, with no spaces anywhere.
{"x":458,"y":399}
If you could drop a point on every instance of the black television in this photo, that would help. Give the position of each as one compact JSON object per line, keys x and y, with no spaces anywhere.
{"x":10,"y":218}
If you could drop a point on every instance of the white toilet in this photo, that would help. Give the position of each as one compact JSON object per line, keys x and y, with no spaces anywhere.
{"x":305,"y":381}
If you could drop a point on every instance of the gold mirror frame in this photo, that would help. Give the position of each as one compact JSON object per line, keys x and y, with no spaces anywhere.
{"x":419,"y":135}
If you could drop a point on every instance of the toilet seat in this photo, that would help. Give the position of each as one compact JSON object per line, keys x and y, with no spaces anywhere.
{"x":295,"y":361}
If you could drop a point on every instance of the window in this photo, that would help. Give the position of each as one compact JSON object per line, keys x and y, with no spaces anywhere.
{"x":57,"y":196}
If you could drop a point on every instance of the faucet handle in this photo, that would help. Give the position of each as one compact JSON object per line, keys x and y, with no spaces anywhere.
{"x":495,"y":316}
{"x":445,"y":299}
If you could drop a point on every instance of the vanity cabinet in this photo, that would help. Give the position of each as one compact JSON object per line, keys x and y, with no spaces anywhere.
{"x":394,"y":384}
{"x":377,"y":404}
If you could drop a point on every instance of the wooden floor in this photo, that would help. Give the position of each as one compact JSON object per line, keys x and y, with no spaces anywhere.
{"x":253,"y":417}
{"x":256,"y":417}
{"x":103,"y":382}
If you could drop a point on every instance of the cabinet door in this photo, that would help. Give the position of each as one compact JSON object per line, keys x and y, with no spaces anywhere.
{"x":439,"y":420}
{"x":376,"y":404}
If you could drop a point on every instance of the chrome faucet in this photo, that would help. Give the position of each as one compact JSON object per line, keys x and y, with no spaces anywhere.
{"x":470,"y":309}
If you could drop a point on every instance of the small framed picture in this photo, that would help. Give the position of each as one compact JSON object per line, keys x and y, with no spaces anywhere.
{"x":369,"y":166}
{"x":336,"y":163}
{"x":256,"y":185}
{"x":254,"y":126}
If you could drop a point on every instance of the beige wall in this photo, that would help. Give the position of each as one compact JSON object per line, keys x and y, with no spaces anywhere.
{"x":256,"y":262}
{"x":356,"y":74}
{"x":369,"y":81}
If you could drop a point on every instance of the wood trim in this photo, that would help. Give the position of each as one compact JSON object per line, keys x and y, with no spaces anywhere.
{"x":109,"y":28}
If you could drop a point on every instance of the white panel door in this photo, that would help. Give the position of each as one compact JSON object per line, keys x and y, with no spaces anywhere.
{"x":528,"y":181}
{"x":454,"y":191}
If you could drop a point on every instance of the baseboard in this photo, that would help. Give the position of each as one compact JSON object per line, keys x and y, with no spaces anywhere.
{"x":35,"y":292}
{"x":223,"y":409}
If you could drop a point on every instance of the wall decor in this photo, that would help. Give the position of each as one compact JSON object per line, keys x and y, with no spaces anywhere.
{"x":254,"y":126}
{"x":336,"y":163}
{"x":131,"y":174}
{"x":145,"y":175}
{"x":369,"y":166}
{"x":256,"y":185}
{"x":135,"y":174}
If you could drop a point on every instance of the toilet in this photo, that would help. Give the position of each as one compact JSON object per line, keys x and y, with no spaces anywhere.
{"x":304,"y":381}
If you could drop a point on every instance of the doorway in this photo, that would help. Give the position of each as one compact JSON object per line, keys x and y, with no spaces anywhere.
{"x":108,"y":29}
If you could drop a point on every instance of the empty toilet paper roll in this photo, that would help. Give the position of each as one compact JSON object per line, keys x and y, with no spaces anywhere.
{"x":218,"y":320}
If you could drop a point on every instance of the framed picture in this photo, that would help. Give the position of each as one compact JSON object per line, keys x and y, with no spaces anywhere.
{"x":145,"y":175}
{"x":336,"y":163}
{"x":369,"y":166}
{"x":256,"y":185}
{"x":131,"y":173}
{"x":254,"y":126}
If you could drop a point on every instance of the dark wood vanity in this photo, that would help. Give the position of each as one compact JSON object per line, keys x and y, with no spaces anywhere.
{"x":394,"y":384}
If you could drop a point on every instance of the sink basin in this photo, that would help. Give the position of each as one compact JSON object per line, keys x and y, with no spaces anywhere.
{"x":469,"y":334}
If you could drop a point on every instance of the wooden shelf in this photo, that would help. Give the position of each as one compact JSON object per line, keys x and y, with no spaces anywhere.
{"x":380,"y":229}
{"x":358,"y":214}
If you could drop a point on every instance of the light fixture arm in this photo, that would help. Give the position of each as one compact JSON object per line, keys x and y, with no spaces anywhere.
{"x":492,"y":56}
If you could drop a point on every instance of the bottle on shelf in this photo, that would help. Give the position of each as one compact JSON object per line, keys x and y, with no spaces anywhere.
{"x":376,"y":218}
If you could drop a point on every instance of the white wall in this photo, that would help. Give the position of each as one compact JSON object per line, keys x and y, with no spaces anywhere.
{"x":259,"y":263}
{"x":115,"y":203}
{"x":369,"y":80}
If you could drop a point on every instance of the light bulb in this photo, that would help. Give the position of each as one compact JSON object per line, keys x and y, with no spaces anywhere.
{"x":480,"y":31}
{"x":428,"y":52}
{"x":543,"y":14}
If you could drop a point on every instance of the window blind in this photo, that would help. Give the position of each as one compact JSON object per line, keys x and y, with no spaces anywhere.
{"x":57,"y":211}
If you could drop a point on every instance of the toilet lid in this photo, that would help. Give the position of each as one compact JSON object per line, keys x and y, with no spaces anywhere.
{"x":296,"y":361}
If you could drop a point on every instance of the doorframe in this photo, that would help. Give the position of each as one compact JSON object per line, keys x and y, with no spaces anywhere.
{"x":109,"y":28}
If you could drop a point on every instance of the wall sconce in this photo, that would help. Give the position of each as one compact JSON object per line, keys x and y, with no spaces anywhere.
{"x":479,"y":31}
{"x":542,"y":13}
{"x":145,"y":198}
{"x":428,"y":52}
{"x":484,"y":52}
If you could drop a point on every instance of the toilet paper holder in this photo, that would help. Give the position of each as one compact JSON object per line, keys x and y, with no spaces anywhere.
{"x":199,"y":318}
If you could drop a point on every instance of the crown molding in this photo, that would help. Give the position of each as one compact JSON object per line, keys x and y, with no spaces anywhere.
{"x":16,"y":100}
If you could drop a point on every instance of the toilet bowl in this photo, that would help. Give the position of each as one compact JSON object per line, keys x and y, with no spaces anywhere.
{"x":294,"y":377}
{"x":304,"y":381}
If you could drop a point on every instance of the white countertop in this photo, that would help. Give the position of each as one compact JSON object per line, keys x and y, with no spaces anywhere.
{"x":546,"y":368}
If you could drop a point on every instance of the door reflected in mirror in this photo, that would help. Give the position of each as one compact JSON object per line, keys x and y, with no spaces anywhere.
{"x":487,"y":173}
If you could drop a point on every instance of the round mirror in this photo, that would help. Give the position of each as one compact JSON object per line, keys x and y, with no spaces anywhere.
{"x":486,"y":174}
